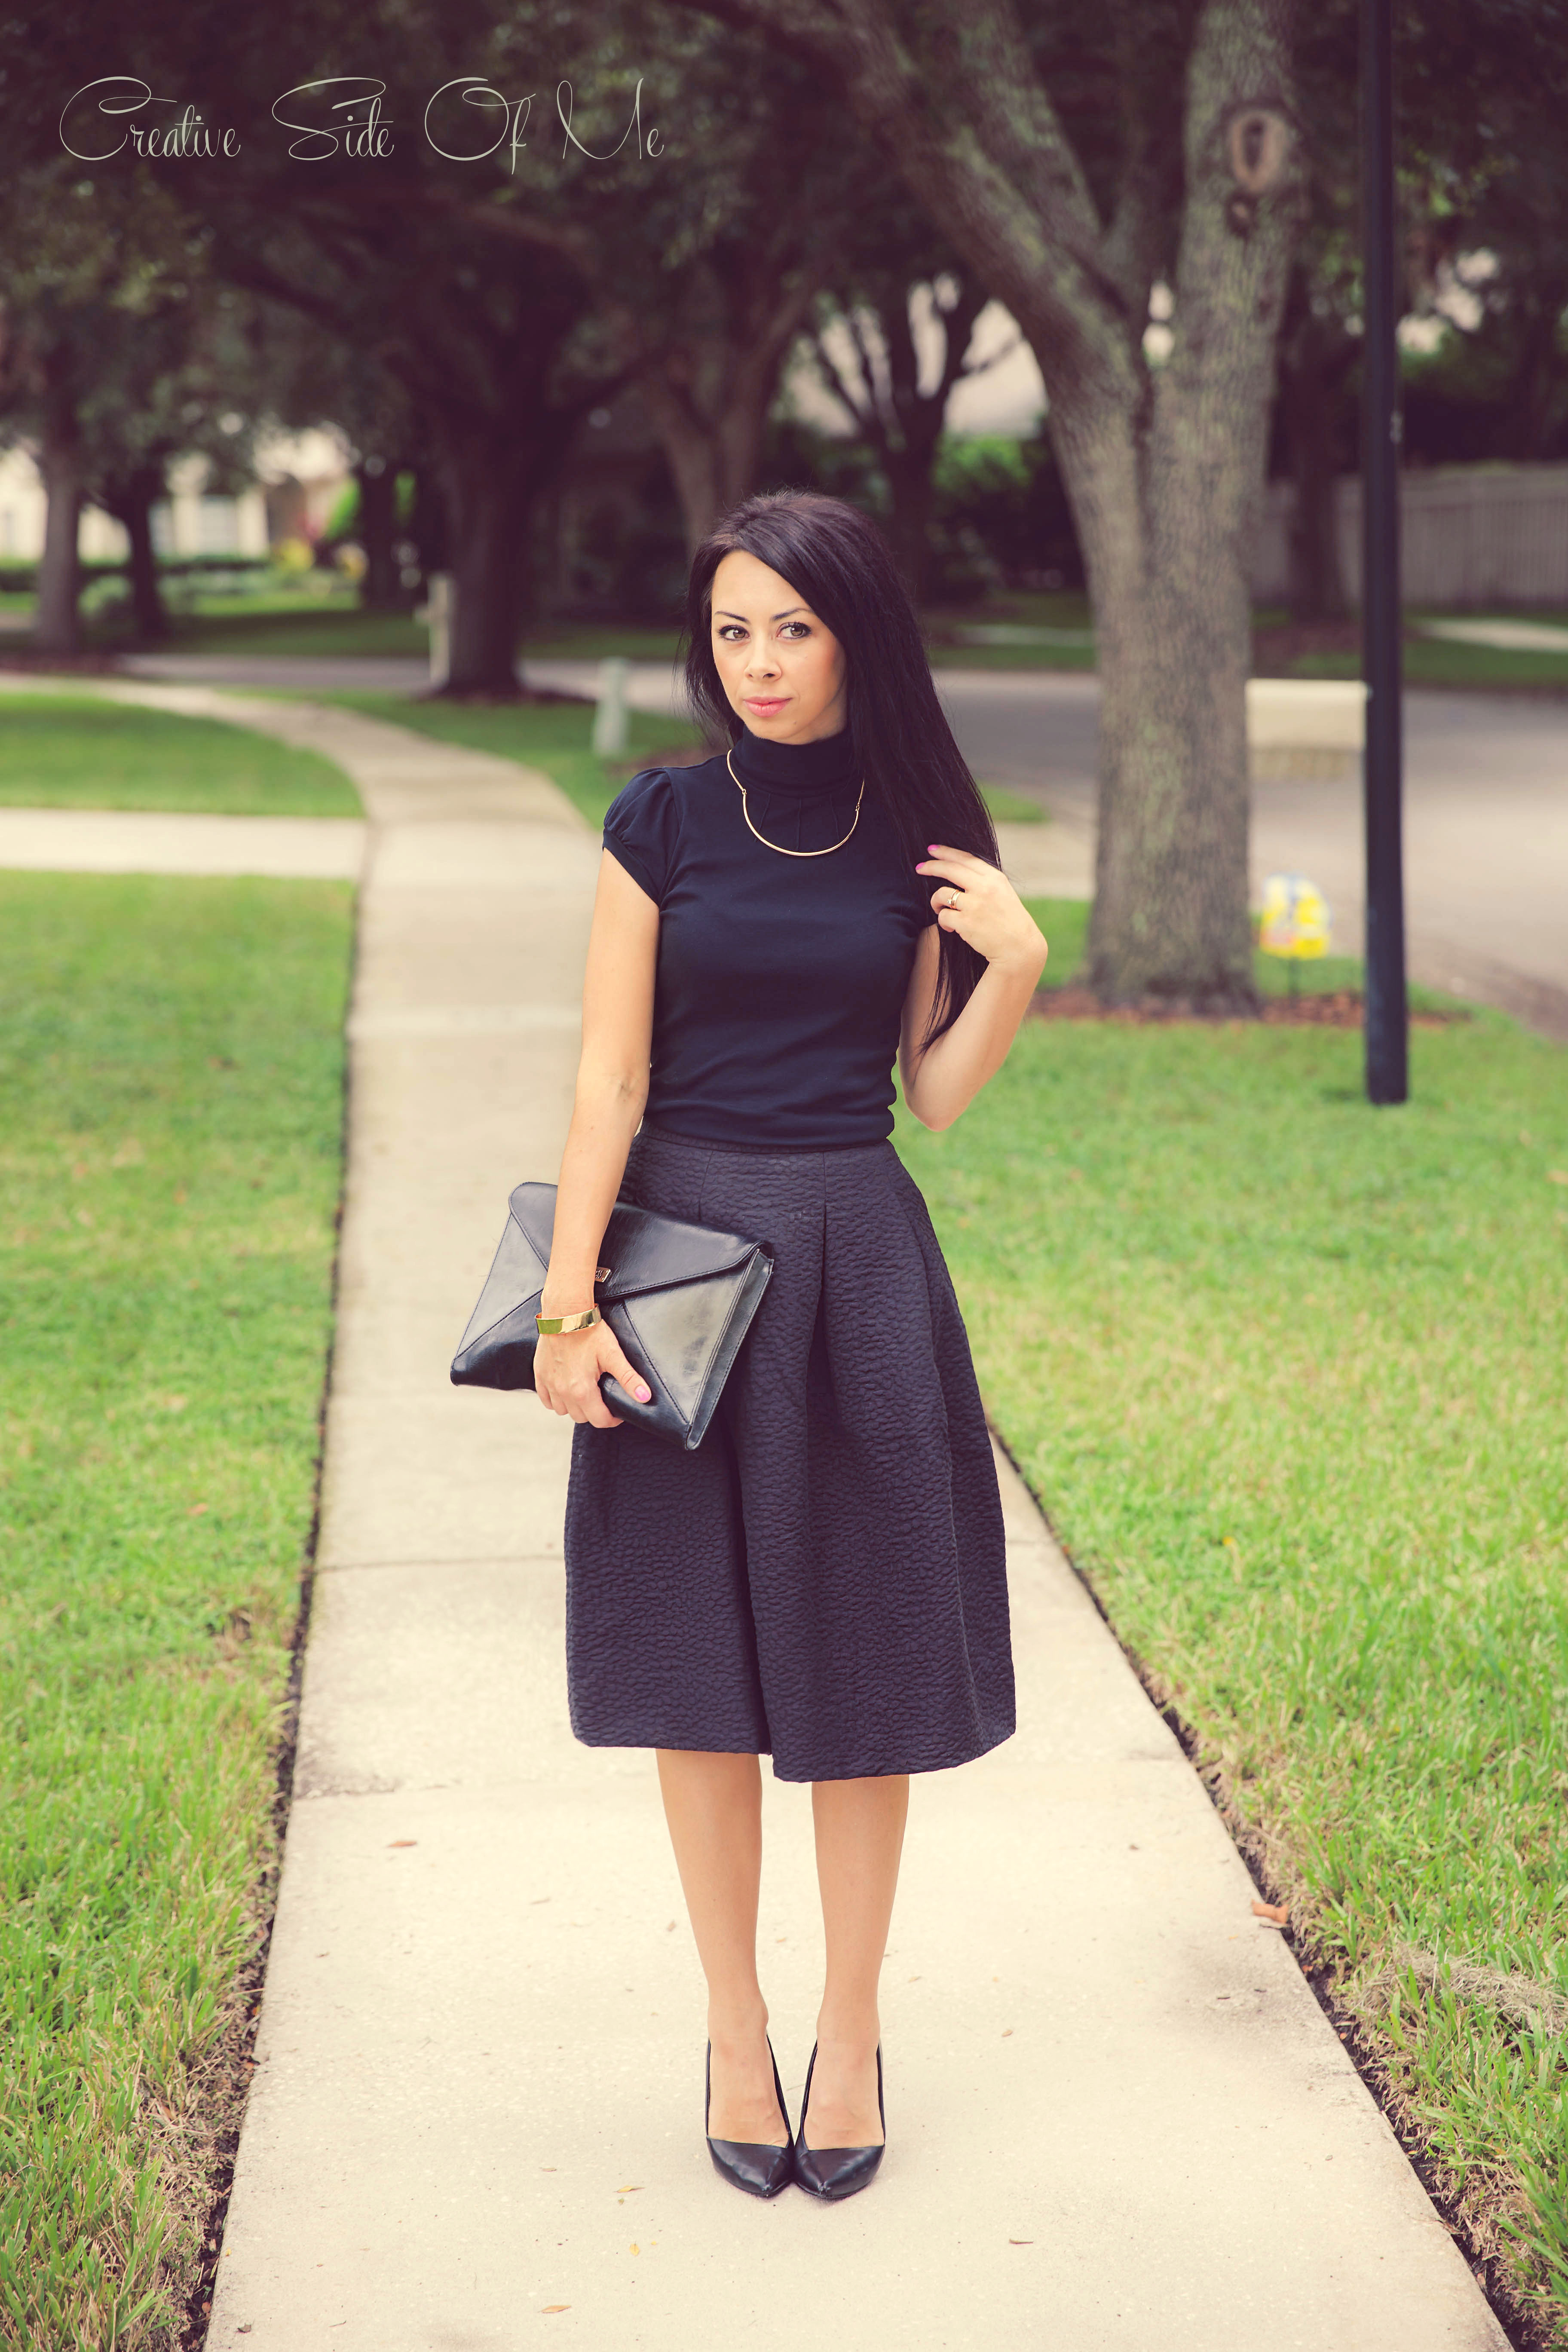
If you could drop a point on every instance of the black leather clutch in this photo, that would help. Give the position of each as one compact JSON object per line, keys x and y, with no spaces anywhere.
{"x":680,"y":1298}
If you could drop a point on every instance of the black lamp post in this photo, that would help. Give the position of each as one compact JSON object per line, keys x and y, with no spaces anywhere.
{"x":1387,"y":1026}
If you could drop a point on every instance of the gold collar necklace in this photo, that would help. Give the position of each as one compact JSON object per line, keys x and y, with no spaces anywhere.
{"x":745,"y":812}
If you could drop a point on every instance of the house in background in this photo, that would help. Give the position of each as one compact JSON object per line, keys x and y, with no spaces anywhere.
{"x":300,"y":477}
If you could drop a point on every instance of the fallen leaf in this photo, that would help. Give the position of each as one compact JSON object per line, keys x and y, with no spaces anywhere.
{"x":1020,"y":2241}
{"x":636,"y":2249}
{"x":555,"y":2306}
{"x":547,"y":2167}
{"x":401,"y":1842}
{"x":1006,"y":2033}
{"x":195,"y":1510}
{"x":1278,"y":1912}
{"x":630,"y":2190}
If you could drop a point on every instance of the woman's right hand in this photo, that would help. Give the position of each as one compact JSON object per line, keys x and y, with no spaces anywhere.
{"x":567,"y":1368}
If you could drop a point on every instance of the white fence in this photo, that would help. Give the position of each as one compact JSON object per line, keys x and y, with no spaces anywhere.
{"x":1470,"y":536}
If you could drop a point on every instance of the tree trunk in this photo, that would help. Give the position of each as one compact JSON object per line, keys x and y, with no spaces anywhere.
{"x":1167,"y":513}
{"x":1317,"y":587}
{"x":489,"y":481}
{"x":709,"y":385}
{"x":918,"y":422}
{"x":713,"y":455}
{"x":380,"y":590}
{"x":148,"y":612}
{"x":1532,"y":396}
{"x":1168,"y":576}
{"x":57,"y":628}
{"x":1308,"y":368}
{"x":903,"y":424}
{"x":130,"y":498}
{"x":909,"y":473}
{"x":427,"y":522}
{"x":1163,"y":467}
{"x":692,"y":454}
{"x":1163,"y":470}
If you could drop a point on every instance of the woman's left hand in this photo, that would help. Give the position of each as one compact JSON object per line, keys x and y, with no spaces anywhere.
{"x":981,"y":905}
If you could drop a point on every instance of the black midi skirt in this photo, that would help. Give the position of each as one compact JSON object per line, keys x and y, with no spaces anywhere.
{"x":823,"y":1580}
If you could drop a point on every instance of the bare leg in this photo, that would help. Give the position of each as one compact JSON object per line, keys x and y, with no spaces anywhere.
{"x":714,"y":1805}
{"x":860,"y":1837}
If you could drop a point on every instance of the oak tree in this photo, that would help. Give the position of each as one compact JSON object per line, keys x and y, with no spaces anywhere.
{"x":1073,"y":164}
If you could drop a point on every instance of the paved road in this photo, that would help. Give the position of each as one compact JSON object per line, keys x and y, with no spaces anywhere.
{"x":1485,"y":809}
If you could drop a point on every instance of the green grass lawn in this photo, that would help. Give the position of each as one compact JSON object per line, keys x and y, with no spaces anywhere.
{"x":171,"y":1065}
{"x":296,"y":625}
{"x":83,"y":751}
{"x":1014,"y":808}
{"x":1287,"y":1374}
{"x":1438,"y":661}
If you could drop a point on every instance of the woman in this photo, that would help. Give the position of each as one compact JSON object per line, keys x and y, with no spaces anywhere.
{"x":823,"y":1581}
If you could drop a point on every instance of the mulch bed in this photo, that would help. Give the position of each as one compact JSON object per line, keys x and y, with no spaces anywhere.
{"x":1340,"y":1008}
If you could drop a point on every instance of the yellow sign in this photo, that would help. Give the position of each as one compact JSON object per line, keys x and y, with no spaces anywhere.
{"x":1295,"y":917}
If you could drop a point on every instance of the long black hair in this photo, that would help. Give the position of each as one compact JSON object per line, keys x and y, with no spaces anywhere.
{"x":837,"y":560}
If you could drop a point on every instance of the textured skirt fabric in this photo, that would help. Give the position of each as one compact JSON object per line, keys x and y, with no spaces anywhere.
{"x":824,"y":1578}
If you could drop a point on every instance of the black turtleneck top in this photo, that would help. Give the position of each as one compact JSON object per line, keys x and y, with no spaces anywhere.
{"x":781,"y":980}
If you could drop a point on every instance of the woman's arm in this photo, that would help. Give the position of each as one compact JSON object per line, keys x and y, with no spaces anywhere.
{"x":942,"y":1081}
{"x":612,"y":1087}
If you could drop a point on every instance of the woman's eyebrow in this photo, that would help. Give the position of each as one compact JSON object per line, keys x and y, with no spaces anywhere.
{"x":724,"y":616}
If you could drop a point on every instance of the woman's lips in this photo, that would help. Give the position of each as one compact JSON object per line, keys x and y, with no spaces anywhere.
{"x":764,"y":705}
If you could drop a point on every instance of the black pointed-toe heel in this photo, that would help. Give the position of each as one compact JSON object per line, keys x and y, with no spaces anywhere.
{"x":750,"y":2165}
{"x":837,"y":2171}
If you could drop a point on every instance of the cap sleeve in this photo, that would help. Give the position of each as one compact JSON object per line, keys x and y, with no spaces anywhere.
{"x":641,"y":828}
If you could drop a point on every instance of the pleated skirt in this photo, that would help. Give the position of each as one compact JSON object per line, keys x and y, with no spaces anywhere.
{"x":824,"y":1581}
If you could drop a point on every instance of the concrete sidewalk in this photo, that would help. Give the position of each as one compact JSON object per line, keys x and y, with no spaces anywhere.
{"x":155,"y":841}
{"x":1116,"y":2119}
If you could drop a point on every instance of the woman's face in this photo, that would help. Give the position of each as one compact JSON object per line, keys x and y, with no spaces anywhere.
{"x":782,"y":668}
